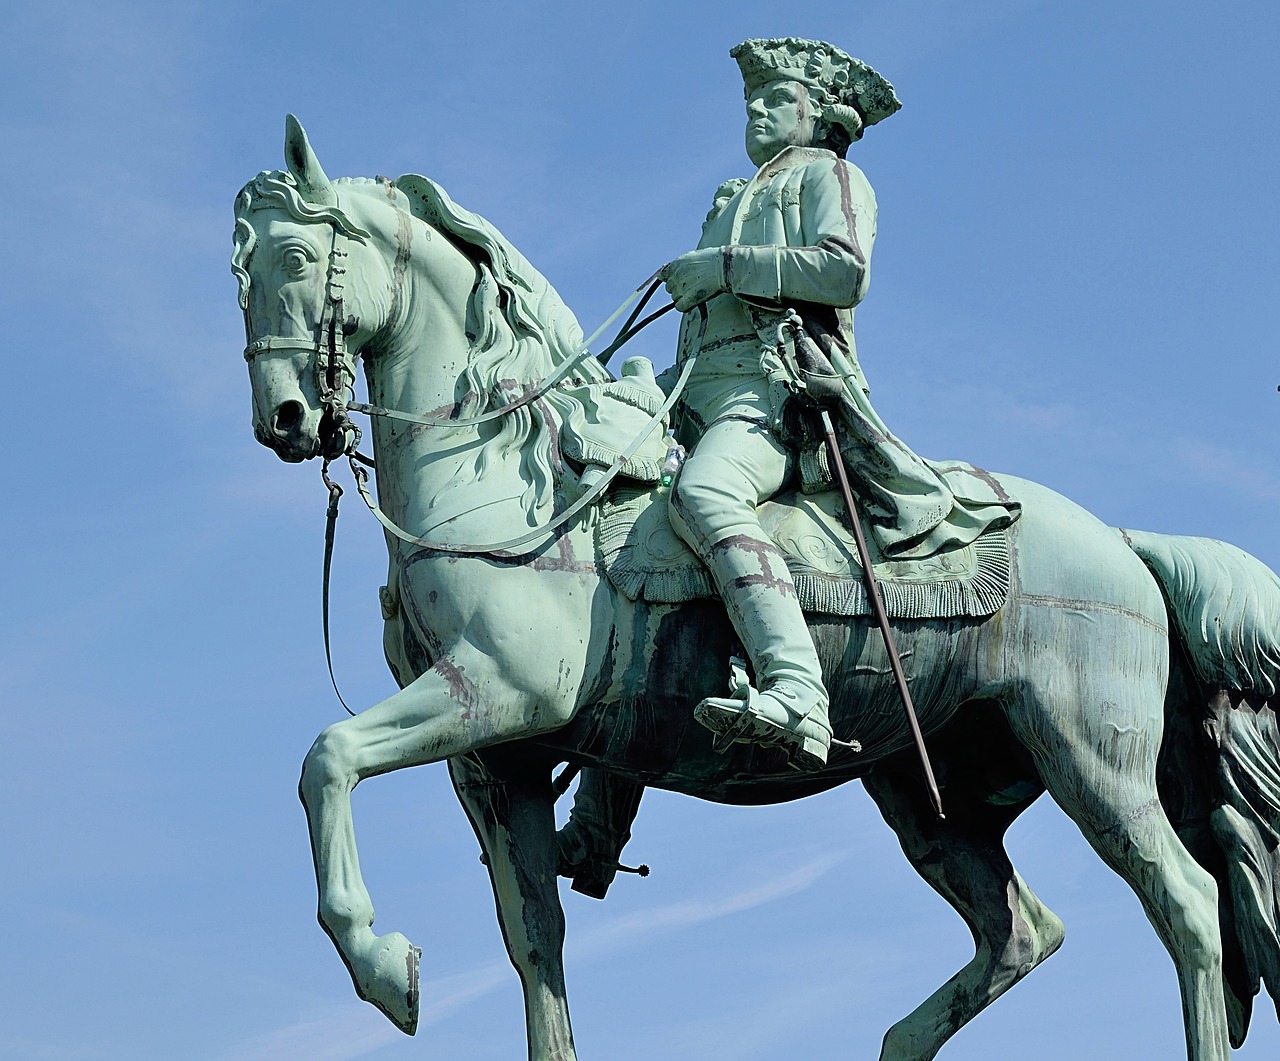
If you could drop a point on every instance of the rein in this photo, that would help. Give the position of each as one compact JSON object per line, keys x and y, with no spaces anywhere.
{"x":548,"y":382}
{"x":558,"y":522}
{"x":335,"y":376}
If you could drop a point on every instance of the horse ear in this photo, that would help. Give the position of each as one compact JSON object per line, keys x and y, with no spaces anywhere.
{"x":305,"y":167}
{"x":419,"y":191}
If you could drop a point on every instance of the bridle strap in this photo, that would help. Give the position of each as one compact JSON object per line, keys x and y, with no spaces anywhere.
{"x":548,"y":382}
{"x":274,"y":343}
{"x":558,"y":522}
{"x":334,"y":366}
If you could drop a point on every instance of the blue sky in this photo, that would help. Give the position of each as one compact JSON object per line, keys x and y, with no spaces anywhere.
{"x":1075,"y":278}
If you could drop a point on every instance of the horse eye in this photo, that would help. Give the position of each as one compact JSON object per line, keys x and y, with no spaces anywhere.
{"x":295,"y":262}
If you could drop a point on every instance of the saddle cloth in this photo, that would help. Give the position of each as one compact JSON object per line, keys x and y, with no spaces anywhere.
{"x":646,"y":560}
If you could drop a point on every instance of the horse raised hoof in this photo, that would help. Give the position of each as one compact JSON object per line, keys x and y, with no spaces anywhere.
{"x":761,"y":719}
{"x":391,"y":982}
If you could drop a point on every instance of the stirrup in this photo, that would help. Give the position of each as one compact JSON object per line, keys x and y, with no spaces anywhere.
{"x":753,"y":717}
{"x":590,"y":872}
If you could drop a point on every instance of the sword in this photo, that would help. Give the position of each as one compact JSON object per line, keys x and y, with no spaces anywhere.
{"x":877,"y":609}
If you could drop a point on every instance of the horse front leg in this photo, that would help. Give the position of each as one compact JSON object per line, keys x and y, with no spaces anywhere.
{"x":514,"y":821}
{"x":459,"y":705}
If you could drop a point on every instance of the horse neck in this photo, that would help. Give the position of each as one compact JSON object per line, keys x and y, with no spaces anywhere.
{"x":418,"y":364}
{"x":418,"y":360}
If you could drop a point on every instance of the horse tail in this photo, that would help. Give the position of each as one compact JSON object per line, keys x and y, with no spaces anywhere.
{"x":1220,"y":767}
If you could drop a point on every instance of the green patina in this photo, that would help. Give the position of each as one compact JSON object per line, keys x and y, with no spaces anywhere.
{"x":1092,"y":668}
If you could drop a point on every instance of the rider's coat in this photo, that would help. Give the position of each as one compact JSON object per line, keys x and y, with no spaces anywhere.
{"x":798,"y":235}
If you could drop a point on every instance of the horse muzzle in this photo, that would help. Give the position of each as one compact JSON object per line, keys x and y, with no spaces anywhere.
{"x":291,"y":432}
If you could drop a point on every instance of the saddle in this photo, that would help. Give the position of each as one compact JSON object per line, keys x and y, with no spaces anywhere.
{"x":599,"y":420}
{"x":646,"y":560}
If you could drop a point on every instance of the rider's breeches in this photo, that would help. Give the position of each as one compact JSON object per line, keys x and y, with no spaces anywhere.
{"x":734,"y":467}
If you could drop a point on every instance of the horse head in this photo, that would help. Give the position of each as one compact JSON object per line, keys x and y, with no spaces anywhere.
{"x":450,"y":320}
{"x":316,"y":286}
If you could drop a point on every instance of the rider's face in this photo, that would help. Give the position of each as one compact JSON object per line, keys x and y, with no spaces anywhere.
{"x":779,"y":115}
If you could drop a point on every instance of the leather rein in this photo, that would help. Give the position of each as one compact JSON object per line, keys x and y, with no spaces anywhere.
{"x":558,"y":521}
{"x":335,"y":375}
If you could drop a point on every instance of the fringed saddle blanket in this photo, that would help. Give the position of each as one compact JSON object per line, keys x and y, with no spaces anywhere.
{"x":646,"y":560}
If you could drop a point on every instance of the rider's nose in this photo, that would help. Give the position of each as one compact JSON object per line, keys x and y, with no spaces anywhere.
{"x":756,"y":109}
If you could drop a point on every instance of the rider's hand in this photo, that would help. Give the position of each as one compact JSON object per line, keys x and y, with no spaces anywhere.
{"x":695,"y":277}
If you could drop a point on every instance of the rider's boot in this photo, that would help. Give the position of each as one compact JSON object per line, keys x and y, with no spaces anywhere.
{"x":599,"y":826}
{"x":788,"y":705}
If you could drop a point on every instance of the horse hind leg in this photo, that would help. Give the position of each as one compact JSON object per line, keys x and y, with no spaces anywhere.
{"x":514,"y":821}
{"x":963,"y":859}
{"x":1099,"y":764}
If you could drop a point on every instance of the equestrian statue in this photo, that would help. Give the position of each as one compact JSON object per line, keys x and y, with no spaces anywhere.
{"x":772,"y":598}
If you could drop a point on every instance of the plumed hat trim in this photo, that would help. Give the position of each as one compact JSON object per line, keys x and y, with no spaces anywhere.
{"x":849,"y":81}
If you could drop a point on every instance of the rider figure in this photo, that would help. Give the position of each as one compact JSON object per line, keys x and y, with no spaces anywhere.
{"x":783,"y":260}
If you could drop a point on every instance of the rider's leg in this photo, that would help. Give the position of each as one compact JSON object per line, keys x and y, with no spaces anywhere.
{"x":735,"y":466}
{"x":599,"y":826}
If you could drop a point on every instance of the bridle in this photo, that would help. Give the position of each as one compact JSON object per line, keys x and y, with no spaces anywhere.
{"x":334,"y":366}
{"x":335,"y":374}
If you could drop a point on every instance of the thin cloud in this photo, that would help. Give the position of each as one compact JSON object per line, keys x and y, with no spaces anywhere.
{"x":445,"y":996}
{"x":753,"y":1031}
{"x":449,"y":994}
{"x":354,"y":1031}
{"x":341,"y":1034}
{"x":644,"y":924}
{"x":1222,"y":467}
{"x":1142,"y":443}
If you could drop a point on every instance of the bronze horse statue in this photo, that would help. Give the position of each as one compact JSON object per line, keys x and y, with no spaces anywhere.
{"x":1126,"y":674}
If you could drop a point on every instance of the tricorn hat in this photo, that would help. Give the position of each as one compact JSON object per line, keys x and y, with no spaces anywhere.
{"x":850,"y":81}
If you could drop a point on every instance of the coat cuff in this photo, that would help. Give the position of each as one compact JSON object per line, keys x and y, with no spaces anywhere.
{"x":754,"y":273}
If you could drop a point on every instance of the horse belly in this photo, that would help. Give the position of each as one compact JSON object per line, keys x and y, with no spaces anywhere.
{"x":637,"y":720}
{"x":945,"y":663}
{"x":640,"y":722}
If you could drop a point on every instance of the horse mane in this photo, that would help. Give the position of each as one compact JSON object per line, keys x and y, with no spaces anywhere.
{"x":519,"y":328}
{"x":520,"y":331}
{"x":543,"y":331}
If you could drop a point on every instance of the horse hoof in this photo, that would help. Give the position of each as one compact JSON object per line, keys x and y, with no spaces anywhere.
{"x":392,"y":984}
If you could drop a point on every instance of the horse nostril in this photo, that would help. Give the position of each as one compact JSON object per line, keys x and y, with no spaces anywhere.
{"x":288,"y":418}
